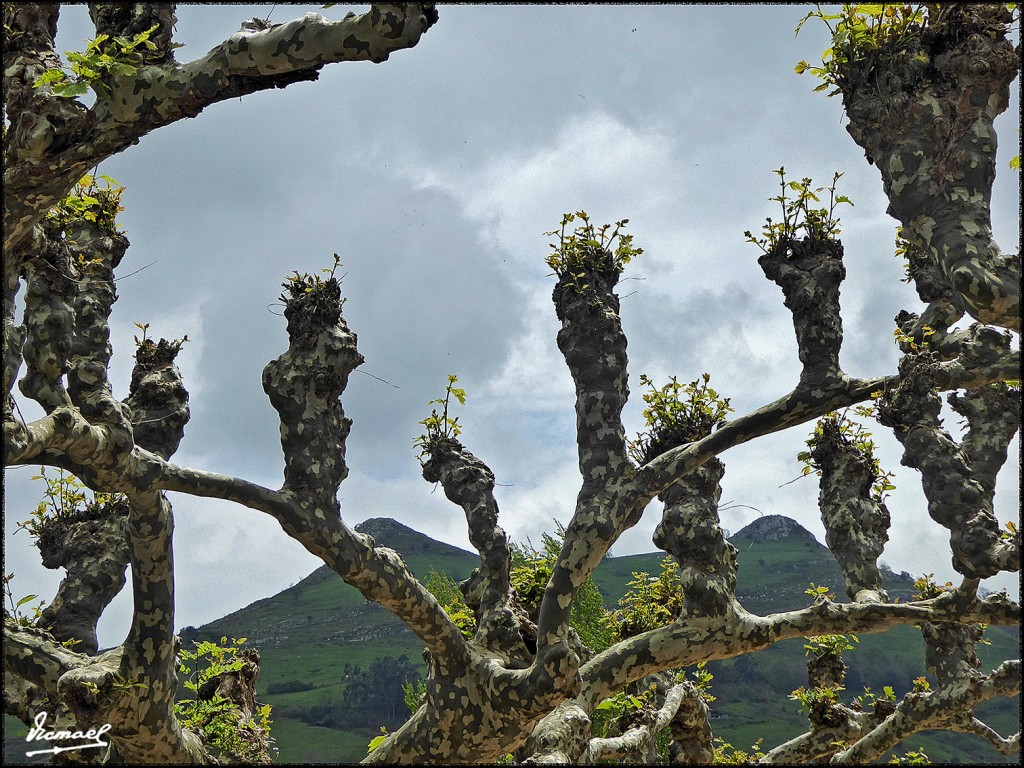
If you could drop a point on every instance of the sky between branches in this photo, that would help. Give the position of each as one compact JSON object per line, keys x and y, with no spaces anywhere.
{"x":434,"y":176}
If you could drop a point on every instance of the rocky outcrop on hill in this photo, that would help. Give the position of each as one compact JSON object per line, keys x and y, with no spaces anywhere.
{"x":773,"y":528}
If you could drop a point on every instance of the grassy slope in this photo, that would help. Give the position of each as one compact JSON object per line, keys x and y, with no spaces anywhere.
{"x":310,"y":631}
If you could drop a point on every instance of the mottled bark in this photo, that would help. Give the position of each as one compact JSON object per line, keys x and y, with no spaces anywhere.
{"x":692,"y":741}
{"x":689,"y":530}
{"x":468,"y":482}
{"x":856,"y":520}
{"x":239,"y":688}
{"x":496,"y":693}
{"x":54,"y":140}
{"x":935,"y":709}
{"x":809,"y":271}
{"x":924,"y":115}
{"x":594,"y":347}
{"x":958,"y":499}
{"x":638,"y":742}
{"x":94,"y":549}
{"x":689,"y":641}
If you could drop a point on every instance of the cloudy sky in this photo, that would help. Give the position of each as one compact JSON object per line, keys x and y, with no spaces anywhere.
{"x":434,"y":176}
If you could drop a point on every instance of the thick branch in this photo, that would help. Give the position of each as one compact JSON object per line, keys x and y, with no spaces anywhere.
{"x":378,"y":573}
{"x":922,"y":711}
{"x":690,"y":531}
{"x":639,"y":742}
{"x":924,"y":115}
{"x":594,"y":347}
{"x":856,"y":522}
{"x":957,"y":499}
{"x":809,"y":271}
{"x":468,"y":482}
{"x":96,"y":253}
{"x":687,"y":642}
{"x":92,"y":546}
{"x":49,"y":153}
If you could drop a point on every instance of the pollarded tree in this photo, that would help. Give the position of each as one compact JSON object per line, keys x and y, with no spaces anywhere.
{"x":523,"y":682}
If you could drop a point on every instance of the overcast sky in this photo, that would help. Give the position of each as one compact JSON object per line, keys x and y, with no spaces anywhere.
{"x":434,"y":176}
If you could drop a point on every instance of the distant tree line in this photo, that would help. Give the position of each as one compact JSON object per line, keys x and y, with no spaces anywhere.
{"x":372,"y":697}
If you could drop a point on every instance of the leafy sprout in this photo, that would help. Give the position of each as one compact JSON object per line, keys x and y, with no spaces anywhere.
{"x":90,"y":200}
{"x":104,"y":59}
{"x":649,"y":602}
{"x":820,"y":594}
{"x":440,"y":428}
{"x":824,"y":695}
{"x":219,"y":719}
{"x":677,"y":414}
{"x":833,"y":645}
{"x":927,"y":588}
{"x":587,"y":252}
{"x":836,"y":429}
{"x":65,"y":500}
{"x":800,"y":217}
{"x":297,"y":285}
{"x":860,"y":33}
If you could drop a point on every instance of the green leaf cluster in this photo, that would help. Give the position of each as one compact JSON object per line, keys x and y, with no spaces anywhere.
{"x":220,"y":720}
{"x":439,"y":428}
{"x":677,"y":414}
{"x":911,"y":757}
{"x":799,"y":216}
{"x":700,"y":679}
{"x":90,"y":201}
{"x":105,"y":59}
{"x":823,"y":695}
{"x":868,"y":698}
{"x":838,"y":427}
{"x":65,"y":500}
{"x":529,"y":576}
{"x":650,"y":602}
{"x":833,"y":645}
{"x":726,"y":754}
{"x":860,"y":33}
{"x":820,"y":593}
{"x":376,"y":741}
{"x":15,"y":606}
{"x":413,"y":693}
{"x":620,"y":712}
{"x":530,"y":572}
{"x":587,"y":252}
{"x":443,"y":587}
{"x":14,"y":611}
{"x":298,"y":285}
{"x":927,"y":588}
{"x":908,"y":343}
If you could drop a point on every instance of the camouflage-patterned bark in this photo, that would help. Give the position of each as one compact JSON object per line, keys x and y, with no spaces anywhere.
{"x":94,"y":550}
{"x":924,"y":115}
{"x":514,"y":687}
{"x":856,"y":521}
{"x":958,"y":498}
{"x":809,"y":271}
{"x":54,"y":141}
{"x":690,"y":531}
{"x":469,"y":483}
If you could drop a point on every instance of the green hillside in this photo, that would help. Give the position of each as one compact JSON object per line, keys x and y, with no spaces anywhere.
{"x":333,"y":663}
{"x":300,"y":633}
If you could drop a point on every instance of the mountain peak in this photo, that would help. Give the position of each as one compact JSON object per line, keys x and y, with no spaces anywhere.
{"x":401,"y":538}
{"x":773,"y":528}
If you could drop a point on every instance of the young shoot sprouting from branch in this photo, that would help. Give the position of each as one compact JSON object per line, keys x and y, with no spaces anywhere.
{"x":677,"y":414}
{"x":588,"y":252}
{"x":440,"y":429}
{"x":799,"y":218}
